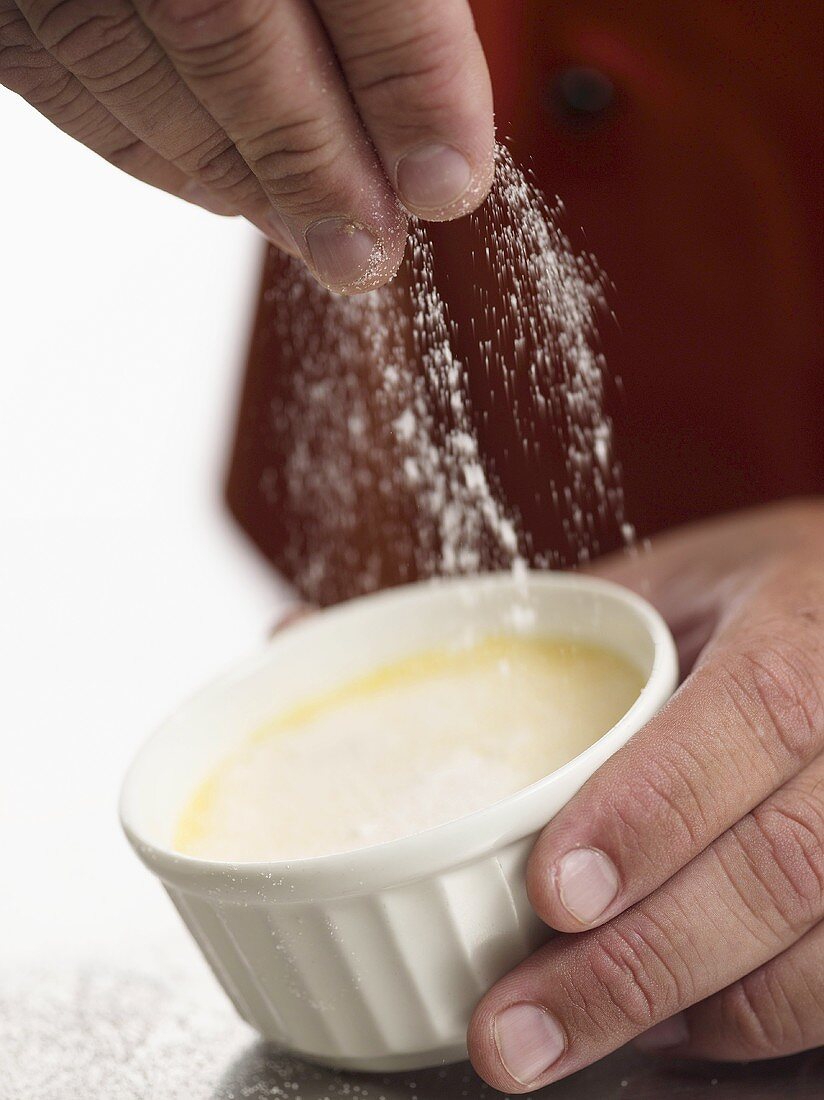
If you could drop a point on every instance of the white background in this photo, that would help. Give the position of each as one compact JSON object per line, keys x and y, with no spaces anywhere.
{"x":124,"y":320}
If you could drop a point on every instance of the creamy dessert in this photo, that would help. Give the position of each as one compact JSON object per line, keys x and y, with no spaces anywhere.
{"x":415,"y":744}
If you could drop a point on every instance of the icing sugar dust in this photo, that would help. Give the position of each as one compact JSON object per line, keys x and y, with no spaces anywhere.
{"x":395,"y":442}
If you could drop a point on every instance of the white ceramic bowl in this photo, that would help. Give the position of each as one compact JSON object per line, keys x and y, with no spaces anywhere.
{"x":374,"y":959}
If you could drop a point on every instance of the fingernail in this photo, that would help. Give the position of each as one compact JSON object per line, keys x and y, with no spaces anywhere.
{"x":529,"y":1041}
{"x":669,"y":1033}
{"x":433,"y":177}
{"x":200,"y":196}
{"x":587,"y":883}
{"x":341,"y":251}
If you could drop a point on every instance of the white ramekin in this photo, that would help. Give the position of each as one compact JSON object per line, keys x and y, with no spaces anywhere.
{"x":374,"y":959}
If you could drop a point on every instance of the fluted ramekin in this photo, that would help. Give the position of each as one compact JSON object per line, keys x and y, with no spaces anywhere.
{"x":374,"y":959}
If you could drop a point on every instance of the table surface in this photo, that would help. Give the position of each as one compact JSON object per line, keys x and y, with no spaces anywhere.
{"x":105,"y":1033}
{"x":122,"y":587}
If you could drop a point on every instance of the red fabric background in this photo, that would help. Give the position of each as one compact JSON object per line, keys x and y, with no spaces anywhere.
{"x":699,"y":190}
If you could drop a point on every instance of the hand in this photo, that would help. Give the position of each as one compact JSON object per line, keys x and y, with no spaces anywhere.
{"x":690,"y":869}
{"x":312,"y":118}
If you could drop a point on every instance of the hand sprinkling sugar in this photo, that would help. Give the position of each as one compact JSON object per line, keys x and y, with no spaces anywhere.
{"x":321,"y":121}
{"x":423,"y":443}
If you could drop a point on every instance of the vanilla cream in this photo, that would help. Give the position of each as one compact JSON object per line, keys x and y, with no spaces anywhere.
{"x":415,"y":744}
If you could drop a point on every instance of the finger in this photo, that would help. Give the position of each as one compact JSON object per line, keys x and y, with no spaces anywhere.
{"x":110,"y":51}
{"x":747,"y":719}
{"x":419,"y":77}
{"x":776,"y":1010}
{"x":742,"y":902}
{"x":29,"y":70}
{"x":266,"y":72}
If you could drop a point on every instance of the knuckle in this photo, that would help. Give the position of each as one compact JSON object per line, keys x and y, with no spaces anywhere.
{"x":415,"y":73}
{"x":666,"y":793}
{"x":638,"y":972}
{"x":777,"y":694}
{"x":94,"y":127}
{"x":214,"y":35}
{"x":218,"y":166}
{"x":791,"y":829}
{"x":753,"y":1011}
{"x":111,"y":52}
{"x":87,"y":39}
{"x":143,"y":80}
{"x":27,"y":72}
{"x":30,"y":72}
{"x":25,"y":68}
{"x":294,"y":162}
{"x":582,"y":1005}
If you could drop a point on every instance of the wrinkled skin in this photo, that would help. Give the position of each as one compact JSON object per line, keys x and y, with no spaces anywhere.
{"x":698,"y":929}
{"x":322,"y":121}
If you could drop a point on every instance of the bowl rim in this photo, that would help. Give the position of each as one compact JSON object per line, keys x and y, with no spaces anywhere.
{"x":452,"y":843}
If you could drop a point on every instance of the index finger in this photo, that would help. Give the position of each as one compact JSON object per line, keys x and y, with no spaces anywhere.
{"x":748,"y":718}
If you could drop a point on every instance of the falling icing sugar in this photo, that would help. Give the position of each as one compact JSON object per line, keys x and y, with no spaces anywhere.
{"x":386,"y":434}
